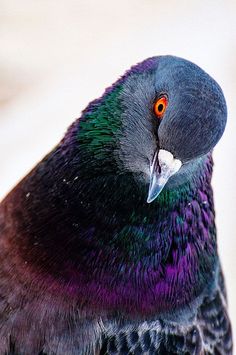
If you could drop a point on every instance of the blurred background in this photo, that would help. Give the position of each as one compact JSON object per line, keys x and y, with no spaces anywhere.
{"x":57,"y":55}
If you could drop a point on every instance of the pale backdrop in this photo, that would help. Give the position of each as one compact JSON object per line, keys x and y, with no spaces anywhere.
{"x":57,"y":55}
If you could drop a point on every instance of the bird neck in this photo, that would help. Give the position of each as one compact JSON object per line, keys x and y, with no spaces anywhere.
{"x":100,"y":237}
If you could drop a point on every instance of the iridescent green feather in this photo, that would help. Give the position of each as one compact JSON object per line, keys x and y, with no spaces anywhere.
{"x":100,"y":122}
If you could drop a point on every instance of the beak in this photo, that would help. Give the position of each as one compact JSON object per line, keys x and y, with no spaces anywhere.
{"x":164,"y":165}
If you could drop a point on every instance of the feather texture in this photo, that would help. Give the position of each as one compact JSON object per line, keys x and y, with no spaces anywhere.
{"x":86,"y":265}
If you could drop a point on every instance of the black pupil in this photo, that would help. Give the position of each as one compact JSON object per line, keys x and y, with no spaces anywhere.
{"x":160,"y":107}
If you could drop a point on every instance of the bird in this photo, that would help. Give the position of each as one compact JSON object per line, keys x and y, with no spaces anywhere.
{"x":108,"y":246}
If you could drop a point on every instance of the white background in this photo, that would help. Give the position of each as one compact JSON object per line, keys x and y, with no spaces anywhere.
{"x":56,"y":56}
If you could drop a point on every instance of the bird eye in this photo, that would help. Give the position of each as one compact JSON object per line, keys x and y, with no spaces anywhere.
{"x":160,"y":106}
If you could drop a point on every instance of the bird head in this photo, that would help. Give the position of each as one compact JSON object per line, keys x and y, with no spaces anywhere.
{"x":175,"y":113}
{"x":165,"y":115}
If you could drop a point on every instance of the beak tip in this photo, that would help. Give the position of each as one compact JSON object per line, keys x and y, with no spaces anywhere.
{"x":153,"y":195}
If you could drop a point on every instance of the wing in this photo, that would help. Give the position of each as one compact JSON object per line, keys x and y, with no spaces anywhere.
{"x":209,"y":332}
{"x":214,"y":322}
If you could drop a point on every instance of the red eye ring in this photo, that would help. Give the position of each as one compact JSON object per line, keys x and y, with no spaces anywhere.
{"x":160,"y":106}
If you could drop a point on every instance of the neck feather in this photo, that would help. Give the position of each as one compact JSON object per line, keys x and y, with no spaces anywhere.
{"x":101,"y":243}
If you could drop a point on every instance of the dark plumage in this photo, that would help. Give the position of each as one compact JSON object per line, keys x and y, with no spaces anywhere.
{"x":108,"y":246}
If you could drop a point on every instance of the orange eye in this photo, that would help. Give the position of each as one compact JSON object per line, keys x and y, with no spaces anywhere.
{"x":160,"y":106}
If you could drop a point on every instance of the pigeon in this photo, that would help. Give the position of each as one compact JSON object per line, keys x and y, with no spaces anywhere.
{"x":108,"y":246}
